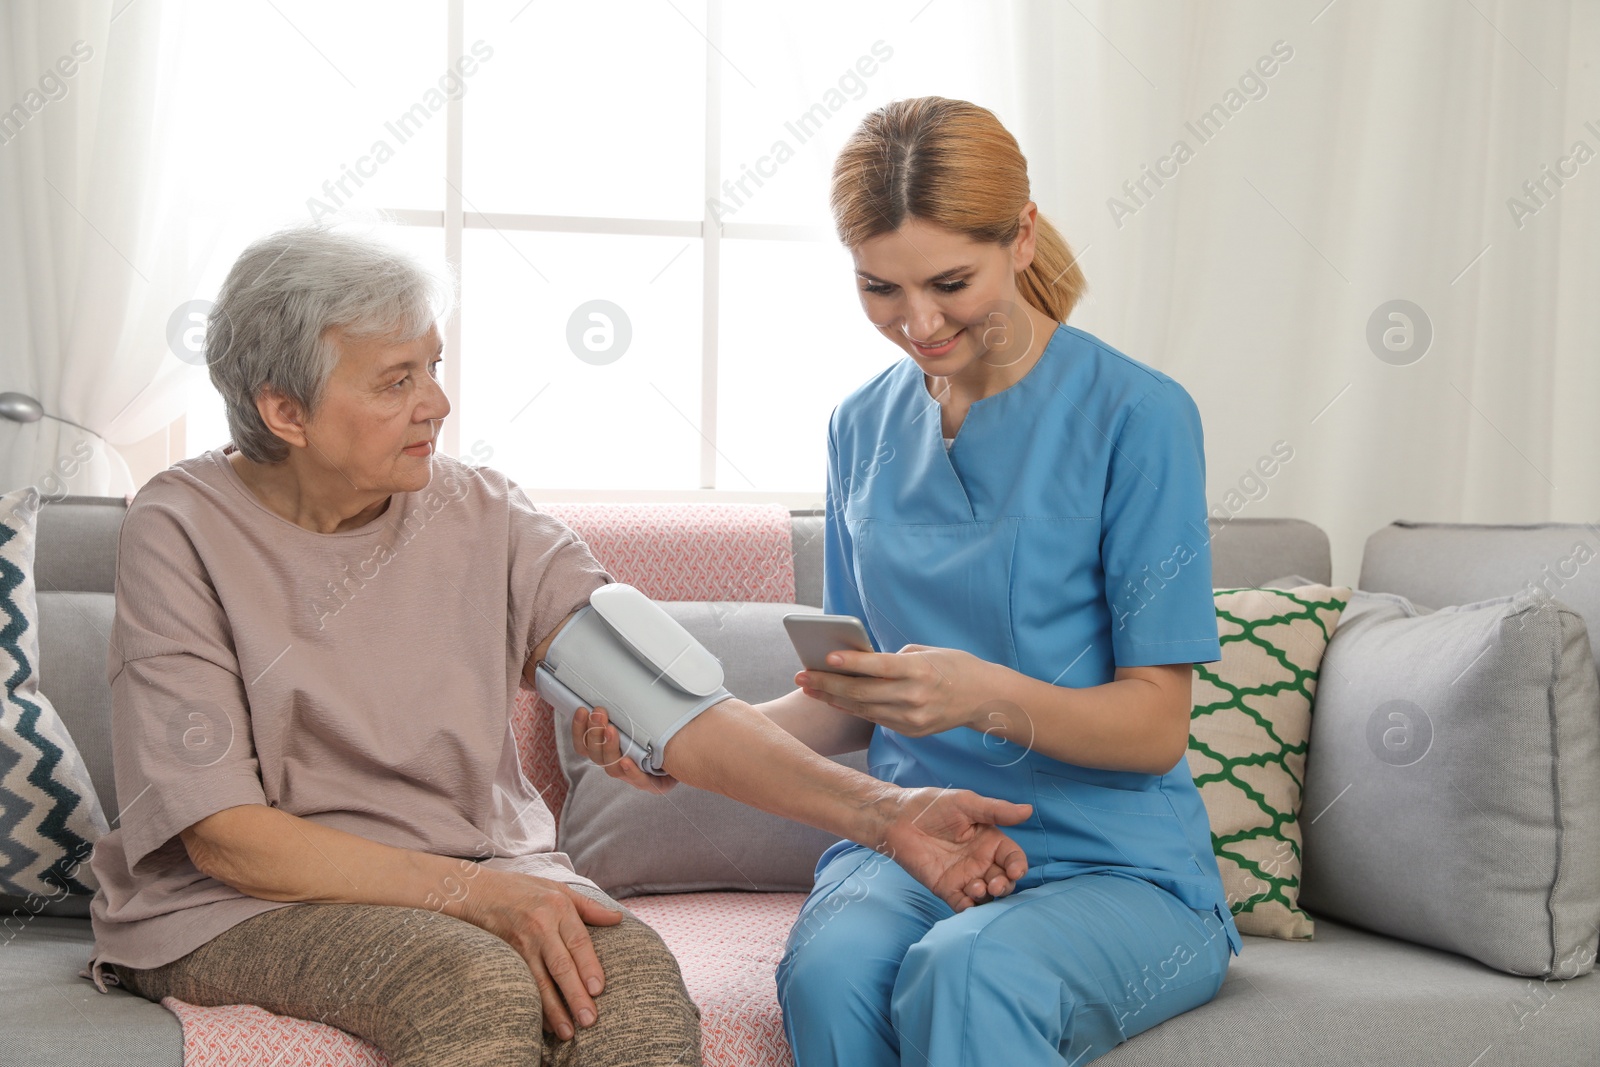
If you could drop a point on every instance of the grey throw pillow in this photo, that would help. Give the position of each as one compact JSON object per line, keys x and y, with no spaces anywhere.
{"x":1453,"y":781}
{"x":632,"y":843}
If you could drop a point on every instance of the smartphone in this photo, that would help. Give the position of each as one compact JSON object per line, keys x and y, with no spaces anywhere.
{"x":814,"y":636}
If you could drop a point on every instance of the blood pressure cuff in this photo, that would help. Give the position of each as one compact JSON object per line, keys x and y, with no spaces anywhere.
{"x":625,"y":654}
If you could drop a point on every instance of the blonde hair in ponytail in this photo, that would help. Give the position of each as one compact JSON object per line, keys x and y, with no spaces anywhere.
{"x":950,"y":163}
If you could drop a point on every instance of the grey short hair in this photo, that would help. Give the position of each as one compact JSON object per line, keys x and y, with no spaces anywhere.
{"x":271,"y":322}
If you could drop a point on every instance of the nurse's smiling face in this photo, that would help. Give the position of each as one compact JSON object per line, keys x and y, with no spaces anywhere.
{"x":951,"y":303}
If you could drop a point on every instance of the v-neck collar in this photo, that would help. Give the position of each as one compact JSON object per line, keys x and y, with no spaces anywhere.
{"x":932,"y":411}
{"x":932,"y":401}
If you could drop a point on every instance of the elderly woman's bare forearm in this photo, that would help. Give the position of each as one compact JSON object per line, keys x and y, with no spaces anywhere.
{"x":821,"y":728}
{"x":271,"y":854}
{"x":948,"y":839}
{"x":733,"y":749}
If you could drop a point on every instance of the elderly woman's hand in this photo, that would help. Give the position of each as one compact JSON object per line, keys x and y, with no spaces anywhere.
{"x":949,"y":840}
{"x":595,"y":736}
{"x":547,"y":923}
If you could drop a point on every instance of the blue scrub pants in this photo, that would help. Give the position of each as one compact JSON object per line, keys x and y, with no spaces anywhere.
{"x":879,"y":971}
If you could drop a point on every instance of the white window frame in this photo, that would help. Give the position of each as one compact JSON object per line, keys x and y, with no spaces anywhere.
{"x":455,"y":220}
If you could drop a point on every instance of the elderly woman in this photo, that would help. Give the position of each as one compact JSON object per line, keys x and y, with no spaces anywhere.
{"x":320,"y":630}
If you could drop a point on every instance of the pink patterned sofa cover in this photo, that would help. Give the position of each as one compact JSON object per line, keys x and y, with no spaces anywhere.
{"x":727,"y":944}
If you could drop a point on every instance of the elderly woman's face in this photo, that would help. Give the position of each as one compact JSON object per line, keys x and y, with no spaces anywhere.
{"x":377,"y":424}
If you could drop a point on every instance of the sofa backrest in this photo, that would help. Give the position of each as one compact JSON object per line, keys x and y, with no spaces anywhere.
{"x":77,"y":549}
{"x":1244,"y":552}
{"x":75,"y":573}
{"x":76,"y":569}
{"x":1435,"y":564}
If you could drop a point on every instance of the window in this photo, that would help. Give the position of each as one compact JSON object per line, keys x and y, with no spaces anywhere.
{"x":653,"y":304}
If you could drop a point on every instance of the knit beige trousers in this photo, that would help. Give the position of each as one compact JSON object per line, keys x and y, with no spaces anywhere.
{"x":429,"y":990}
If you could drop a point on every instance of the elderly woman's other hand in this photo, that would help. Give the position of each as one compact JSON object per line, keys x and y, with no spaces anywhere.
{"x":547,"y":923}
{"x":266,"y":852}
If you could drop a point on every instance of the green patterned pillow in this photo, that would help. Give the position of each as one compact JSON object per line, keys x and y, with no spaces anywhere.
{"x":50,"y":816}
{"x":1249,"y":730}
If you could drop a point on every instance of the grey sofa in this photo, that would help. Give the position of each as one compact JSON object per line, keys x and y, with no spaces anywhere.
{"x":1348,"y":997}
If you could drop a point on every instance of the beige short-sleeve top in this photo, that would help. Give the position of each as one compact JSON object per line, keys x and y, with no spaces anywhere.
{"x":361,"y":679}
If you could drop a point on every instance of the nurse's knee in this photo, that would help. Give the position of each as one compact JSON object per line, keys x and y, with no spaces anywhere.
{"x":807,"y":980}
{"x":825,"y":947}
{"x":970,"y":960}
{"x":928,"y":962}
{"x":842,"y":954}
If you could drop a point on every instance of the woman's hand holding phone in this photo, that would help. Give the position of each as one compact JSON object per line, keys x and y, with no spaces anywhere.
{"x":916,"y":691}
{"x":815,"y":636}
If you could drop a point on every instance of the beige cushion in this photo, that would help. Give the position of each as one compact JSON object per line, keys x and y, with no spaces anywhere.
{"x":1250,"y":727}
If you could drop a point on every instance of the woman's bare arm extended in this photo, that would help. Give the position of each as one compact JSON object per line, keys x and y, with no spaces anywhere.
{"x":819,"y":726}
{"x":948,"y":839}
{"x":268,"y":853}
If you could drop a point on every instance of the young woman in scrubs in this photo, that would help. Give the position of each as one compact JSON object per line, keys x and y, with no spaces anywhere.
{"x":1017,"y":512}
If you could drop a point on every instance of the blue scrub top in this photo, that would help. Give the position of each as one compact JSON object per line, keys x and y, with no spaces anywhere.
{"x":1062,"y":535}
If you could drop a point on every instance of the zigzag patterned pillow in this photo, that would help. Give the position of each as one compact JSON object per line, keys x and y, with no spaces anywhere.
{"x":50,"y":816}
{"x":1249,"y":730}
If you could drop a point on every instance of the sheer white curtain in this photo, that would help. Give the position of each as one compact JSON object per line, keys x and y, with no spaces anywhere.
{"x":91,"y":266}
{"x":1335,"y":157}
{"x":1377,"y":162}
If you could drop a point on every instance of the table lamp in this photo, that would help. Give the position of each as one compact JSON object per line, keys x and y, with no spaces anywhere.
{"x":19,"y":407}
